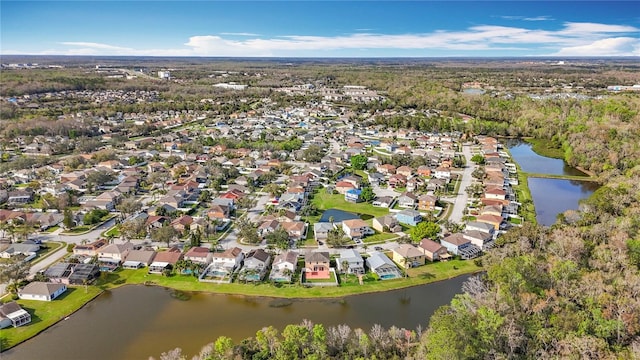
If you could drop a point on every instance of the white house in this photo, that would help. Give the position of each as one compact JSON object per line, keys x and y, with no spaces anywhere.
{"x":283,"y":263}
{"x":356,"y":229}
{"x":353,"y":261}
{"x":41,"y":291}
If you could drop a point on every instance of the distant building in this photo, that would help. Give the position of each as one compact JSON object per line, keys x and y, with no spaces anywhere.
{"x":164,"y":75}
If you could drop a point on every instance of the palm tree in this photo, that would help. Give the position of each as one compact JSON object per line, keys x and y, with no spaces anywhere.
{"x":345,"y":268}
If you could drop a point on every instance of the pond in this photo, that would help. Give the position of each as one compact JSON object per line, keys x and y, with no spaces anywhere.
{"x":338,"y":215}
{"x":135,"y":322}
{"x":554,"y":196}
{"x":530,"y":162}
{"x":550,"y":196}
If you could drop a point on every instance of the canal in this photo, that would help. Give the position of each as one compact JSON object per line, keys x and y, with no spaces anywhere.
{"x":550,"y":196}
{"x":135,"y":322}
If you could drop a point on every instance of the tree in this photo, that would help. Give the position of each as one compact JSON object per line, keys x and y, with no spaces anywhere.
{"x":99,"y":178}
{"x":248,"y":231}
{"x":425,"y":229}
{"x":274,"y":189}
{"x":280,"y":238}
{"x":336,"y":237}
{"x":67,"y":221}
{"x":367,"y":194}
{"x":14,"y":270}
{"x":313,"y":154}
{"x":133,"y":229}
{"x":94,"y":216}
{"x":164,"y":234}
{"x":129,"y":206}
{"x":359,"y":162}
{"x":478,"y":159}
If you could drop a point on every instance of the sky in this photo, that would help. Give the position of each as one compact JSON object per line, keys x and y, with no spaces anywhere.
{"x":321,"y":28}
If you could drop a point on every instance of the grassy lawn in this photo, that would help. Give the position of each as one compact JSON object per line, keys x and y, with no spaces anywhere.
{"x":113,"y":232}
{"x":417,"y":276}
{"x":324,"y":201}
{"x":79,"y":229}
{"x":52,"y":229}
{"x":47,"y":249}
{"x":378,"y":238}
{"x":46,"y":313}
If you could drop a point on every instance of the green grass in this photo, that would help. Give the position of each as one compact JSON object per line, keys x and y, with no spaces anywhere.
{"x":46,"y":250}
{"x":113,"y":232}
{"x":47,"y":313}
{"x":546,"y":148}
{"x":79,"y":229}
{"x":378,"y":238}
{"x":324,"y":201}
{"x":52,"y":229}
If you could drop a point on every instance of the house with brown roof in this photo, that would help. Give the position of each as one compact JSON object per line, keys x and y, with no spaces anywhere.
{"x":408,"y":256}
{"x":343,"y":186}
{"x":356,"y":229}
{"x":200,"y":255}
{"x":433,"y":250}
{"x":164,"y":260}
{"x":182,"y":224}
{"x":90,"y":249}
{"x":397,"y":180}
{"x":404,"y":170}
{"x":427,"y":202}
{"x":296,"y":229}
{"x":137,"y":259}
{"x":387,"y":223}
{"x":317,"y":265}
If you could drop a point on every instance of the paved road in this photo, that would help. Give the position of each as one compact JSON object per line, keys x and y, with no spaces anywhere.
{"x":461,"y":200}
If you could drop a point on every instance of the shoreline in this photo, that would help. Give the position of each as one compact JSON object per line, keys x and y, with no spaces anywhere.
{"x":312,"y":294}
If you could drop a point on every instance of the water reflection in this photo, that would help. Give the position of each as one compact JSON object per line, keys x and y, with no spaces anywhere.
{"x":135,"y":322}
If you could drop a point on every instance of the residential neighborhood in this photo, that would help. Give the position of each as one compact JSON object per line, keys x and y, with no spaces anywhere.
{"x":328,"y":199}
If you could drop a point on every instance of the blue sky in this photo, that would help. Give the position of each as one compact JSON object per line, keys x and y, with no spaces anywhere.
{"x":321,"y":28}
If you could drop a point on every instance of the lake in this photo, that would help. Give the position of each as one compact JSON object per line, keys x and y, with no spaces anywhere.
{"x":530,"y":162}
{"x":135,"y":322}
{"x":550,"y":196}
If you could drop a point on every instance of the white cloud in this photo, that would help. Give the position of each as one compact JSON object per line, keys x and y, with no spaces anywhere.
{"x":527,"y":18}
{"x":620,"y":46}
{"x":580,"y":39}
{"x":239,"y":34}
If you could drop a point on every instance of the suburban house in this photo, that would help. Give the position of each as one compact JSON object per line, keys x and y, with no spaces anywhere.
{"x":483,"y":240}
{"x":352,"y":260}
{"x":382,"y":266}
{"x":495,"y":193}
{"x":182,"y":224}
{"x":90,"y":249}
{"x":386,"y":223}
{"x":317,"y":265}
{"x":454,"y":242}
{"x":137,"y":259}
{"x":218,"y":212}
{"x":383,"y":201}
{"x":397,"y":180}
{"x":376,"y":178}
{"x":352,"y":195}
{"x":407,"y":200}
{"x":433,"y":250}
{"x":41,"y":291}
{"x":256,"y":264}
{"x":296,"y":229}
{"x":230,"y":259}
{"x":114,"y":252}
{"x":442,"y":173}
{"x":457,"y":244}
{"x":408,"y":256}
{"x":493,"y":220}
{"x":200,"y":255}
{"x":427,"y":202}
{"x":12,"y":314}
{"x":480,"y":226}
{"x":268,"y":227}
{"x":409,"y":217}
{"x":71,"y":273}
{"x":343,"y":186}
{"x":284,"y":266}
{"x":165,"y":260}
{"x":27,"y":248}
{"x":356,"y":229}
{"x":404,"y":170}
{"x":321,"y":230}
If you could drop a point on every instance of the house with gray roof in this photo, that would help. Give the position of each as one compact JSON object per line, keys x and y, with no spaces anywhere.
{"x":353,"y":261}
{"x":381,"y":265}
{"x":12,"y":314}
{"x":41,"y":291}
